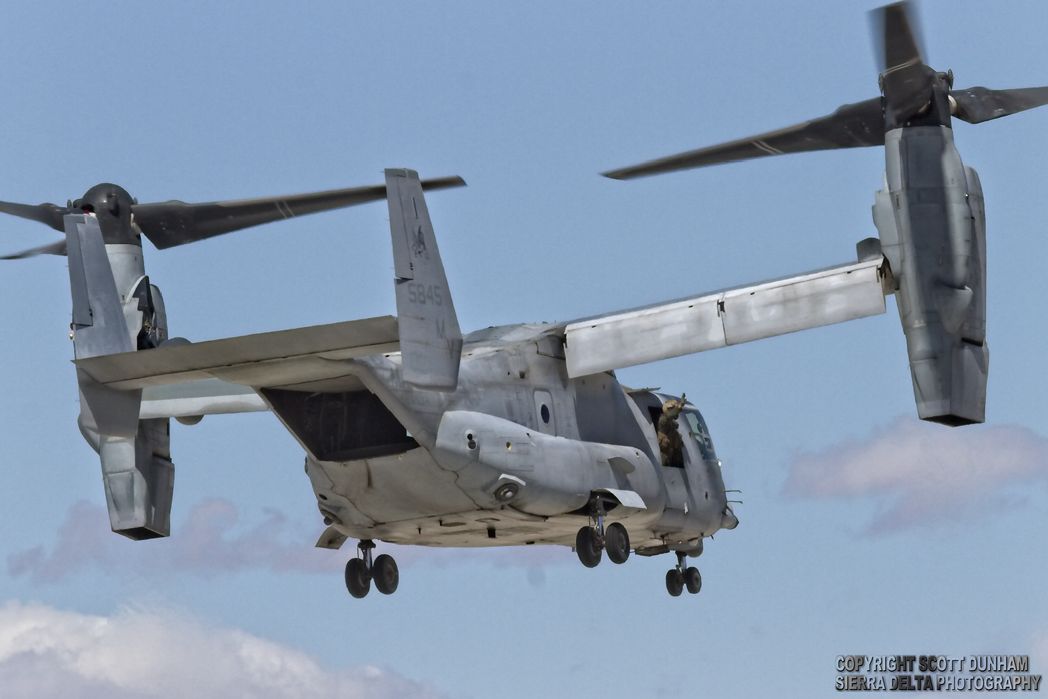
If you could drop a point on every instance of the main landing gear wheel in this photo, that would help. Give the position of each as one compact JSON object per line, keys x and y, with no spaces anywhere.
{"x":588,"y":546}
{"x":358,"y":579}
{"x":617,"y":542}
{"x":361,"y":570}
{"x":593,"y":539}
{"x":674,"y":582}
{"x":386,"y":575}
{"x":692,"y":580}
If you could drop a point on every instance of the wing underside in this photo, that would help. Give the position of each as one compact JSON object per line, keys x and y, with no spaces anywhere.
{"x":198,"y":398}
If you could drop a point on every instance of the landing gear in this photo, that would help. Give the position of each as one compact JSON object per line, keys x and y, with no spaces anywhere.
{"x":617,"y":542}
{"x":386,"y":575}
{"x":692,"y":580}
{"x":674,"y":582}
{"x":588,"y":546}
{"x":360,"y":571}
{"x":591,"y":540}
{"x":358,"y":577}
{"x":680,"y":577}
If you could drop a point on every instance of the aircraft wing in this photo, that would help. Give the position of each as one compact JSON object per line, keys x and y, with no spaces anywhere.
{"x":281,"y":358}
{"x":729,"y":317}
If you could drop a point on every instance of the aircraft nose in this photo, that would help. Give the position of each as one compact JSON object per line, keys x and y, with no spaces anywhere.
{"x":728,"y":519}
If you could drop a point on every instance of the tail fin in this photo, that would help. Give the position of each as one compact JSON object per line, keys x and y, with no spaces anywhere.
{"x":430,"y":339}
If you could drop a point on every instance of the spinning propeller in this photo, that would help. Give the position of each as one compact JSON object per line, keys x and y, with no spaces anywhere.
{"x":170,"y":223}
{"x":912,"y":94}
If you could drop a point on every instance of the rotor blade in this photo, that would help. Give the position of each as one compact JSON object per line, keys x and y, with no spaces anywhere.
{"x":905,"y":79}
{"x":172,"y":223}
{"x":48,"y":214}
{"x":978,"y":104}
{"x":897,"y":37}
{"x":851,"y":126}
{"x":58,"y":248}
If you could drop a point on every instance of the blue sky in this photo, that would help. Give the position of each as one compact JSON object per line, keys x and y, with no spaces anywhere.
{"x":860,"y":531}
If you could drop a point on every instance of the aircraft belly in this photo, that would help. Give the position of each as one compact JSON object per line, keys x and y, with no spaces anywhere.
{"x":392,"y":488}
{"x":493,"y":528}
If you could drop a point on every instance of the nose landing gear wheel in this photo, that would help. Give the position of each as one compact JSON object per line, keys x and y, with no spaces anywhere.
{"x":588,"y":547}
{"x":674,"y":582}
{"x":693,"y":580}
{"x":617,"y":542}
{"x":680,"y":577}
{"x":358,"y":578}
{"x":386,"y":575}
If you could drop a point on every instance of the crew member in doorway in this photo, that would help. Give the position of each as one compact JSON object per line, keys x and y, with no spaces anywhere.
{"x":670,"y":443}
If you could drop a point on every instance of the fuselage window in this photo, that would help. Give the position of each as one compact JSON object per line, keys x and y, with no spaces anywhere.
{"x":544,"y":411}
{"x":697,"y":428}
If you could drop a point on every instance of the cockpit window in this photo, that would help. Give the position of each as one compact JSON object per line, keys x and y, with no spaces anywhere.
{"x":697,"y":428}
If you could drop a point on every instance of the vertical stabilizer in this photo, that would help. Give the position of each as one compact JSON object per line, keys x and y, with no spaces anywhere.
{"x":430,"y":339}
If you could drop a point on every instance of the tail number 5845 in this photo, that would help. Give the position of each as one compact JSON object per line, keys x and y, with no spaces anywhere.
{"x":425,"y":293}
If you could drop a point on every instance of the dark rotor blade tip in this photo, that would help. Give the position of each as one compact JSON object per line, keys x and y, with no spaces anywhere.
{"x":443,"y":182}
{"x":897,"y":36}
{"x":56,"y":248}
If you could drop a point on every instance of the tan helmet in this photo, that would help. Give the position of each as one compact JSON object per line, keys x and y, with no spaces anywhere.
{"x":673,"y":406}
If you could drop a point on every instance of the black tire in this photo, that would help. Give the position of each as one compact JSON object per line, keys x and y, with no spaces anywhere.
{"x":617,"y":542}
{"x":587,"y":546}
{"x":385,"y":573}
{"x":692,"y":580}
{"x":674,"y":582}
{"x":358,"y":579}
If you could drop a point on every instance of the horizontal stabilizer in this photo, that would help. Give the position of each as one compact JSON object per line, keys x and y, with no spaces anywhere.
{"x":725,"y":318}
{"x":276,"y":358}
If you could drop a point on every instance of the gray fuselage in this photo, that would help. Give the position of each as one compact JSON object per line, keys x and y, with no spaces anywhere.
{"x":392,"y":462}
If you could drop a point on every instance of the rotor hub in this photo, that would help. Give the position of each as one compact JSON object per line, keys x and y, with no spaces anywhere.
{"x":111,"y":204}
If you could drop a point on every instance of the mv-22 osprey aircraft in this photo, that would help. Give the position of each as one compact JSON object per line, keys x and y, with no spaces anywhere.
{"x":416,"y":434}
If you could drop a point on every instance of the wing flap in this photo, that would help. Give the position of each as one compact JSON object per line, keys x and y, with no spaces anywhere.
{"x":264,"y":359}
{"x":725,"y":318}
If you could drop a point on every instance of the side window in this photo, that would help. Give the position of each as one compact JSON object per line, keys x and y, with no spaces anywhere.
{"x":697,"y":428}
{"x":544,"y":412}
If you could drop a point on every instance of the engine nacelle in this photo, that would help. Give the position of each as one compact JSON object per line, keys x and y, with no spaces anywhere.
{"x":932,"y":228}
{"x":116,"y":309}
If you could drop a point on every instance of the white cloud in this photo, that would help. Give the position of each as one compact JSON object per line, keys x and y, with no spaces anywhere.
{"x":920,"y":473}
{"x":211,"y":541}
{"x":46,"y":652}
